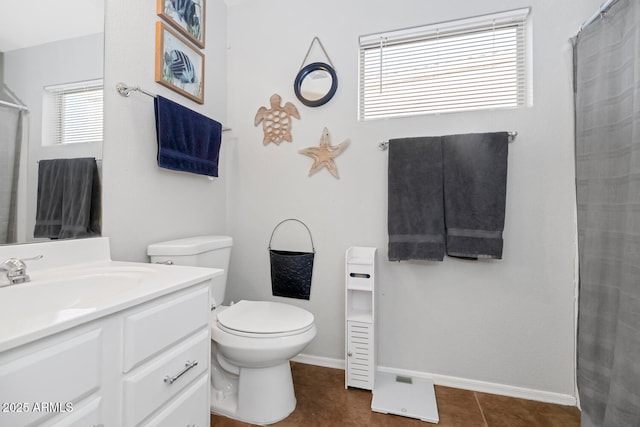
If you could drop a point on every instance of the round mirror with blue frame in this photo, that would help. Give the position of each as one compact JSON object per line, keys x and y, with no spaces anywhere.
{"x":316,"y":84}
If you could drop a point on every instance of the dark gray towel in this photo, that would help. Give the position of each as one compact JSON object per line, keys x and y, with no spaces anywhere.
{"x":475,"y":183}
{"x":415,"y":206}
{"x":49,"y":199}
{"x":68,"y":202}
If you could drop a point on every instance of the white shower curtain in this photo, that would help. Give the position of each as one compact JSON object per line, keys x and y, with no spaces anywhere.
{"x":607,"y":54}
{"x":10,"y":144}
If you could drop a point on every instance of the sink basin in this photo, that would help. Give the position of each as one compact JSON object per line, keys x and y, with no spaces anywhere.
{"x":75,"y":282}
{"x":72,"y":273}
{"x":62,"y":294}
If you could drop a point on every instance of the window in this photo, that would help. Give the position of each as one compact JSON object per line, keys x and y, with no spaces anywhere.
{"x":73,"y":113}
{"x":470,"y":64}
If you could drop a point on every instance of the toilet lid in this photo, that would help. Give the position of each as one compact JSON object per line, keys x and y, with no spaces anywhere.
{"x":264,"y":317}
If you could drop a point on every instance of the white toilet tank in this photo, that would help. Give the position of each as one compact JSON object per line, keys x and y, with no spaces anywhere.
{"x":198,"y":251}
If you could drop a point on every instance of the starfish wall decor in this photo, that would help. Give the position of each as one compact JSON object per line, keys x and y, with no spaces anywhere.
{"x":324,"y":154}
{"x":276,"y":121}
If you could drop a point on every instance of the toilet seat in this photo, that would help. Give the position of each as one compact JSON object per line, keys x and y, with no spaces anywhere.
{"x":264,"y":319}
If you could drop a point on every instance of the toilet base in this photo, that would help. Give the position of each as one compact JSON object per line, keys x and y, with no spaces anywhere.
{"x":265,"y":396}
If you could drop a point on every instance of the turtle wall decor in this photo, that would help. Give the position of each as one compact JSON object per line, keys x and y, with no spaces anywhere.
{"x":276,"y":121}
{"x":324,"y":154}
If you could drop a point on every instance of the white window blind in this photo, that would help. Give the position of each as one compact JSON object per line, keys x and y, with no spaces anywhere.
{"x":470,"y":64}
{"x":73,"y":113}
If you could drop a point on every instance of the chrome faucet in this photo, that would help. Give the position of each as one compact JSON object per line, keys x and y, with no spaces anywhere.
{"x":16,"y":270}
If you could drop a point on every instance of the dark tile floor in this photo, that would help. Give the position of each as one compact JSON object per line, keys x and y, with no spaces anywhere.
{"x":324,"y":402}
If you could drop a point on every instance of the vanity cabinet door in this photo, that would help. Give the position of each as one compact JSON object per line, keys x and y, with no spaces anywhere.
{"x":38,"y":382}
{"x":86,"y":414}
{"x":360,"y":366}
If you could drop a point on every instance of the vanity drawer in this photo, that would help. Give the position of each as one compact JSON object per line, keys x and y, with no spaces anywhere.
{"x":148,"y":389}
{"x":155,"y":328}
{"x":40,"y":384}
{"x":191,"y":408}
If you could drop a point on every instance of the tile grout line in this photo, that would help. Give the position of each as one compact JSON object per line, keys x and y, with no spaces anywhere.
{"x":480,"y":407}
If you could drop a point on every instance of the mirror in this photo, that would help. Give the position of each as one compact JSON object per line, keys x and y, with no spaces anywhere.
{"x":43,"y":43}
{"x":316,"y":84}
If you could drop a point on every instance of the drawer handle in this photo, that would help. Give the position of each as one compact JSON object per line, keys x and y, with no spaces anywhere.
{"x":187,"y":366}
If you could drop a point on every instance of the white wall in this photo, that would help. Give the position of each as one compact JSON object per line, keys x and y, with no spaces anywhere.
{"x":508,"y":322}
{"x":143,"y":203}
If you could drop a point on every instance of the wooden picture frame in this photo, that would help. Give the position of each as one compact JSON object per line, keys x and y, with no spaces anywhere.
{"x":187,"y":16}
{"x":179,"y":65}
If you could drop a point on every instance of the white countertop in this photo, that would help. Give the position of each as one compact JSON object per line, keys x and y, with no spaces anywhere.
{"x":59,"y":298}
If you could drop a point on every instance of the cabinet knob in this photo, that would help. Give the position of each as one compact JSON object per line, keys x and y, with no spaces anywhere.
{"x":349,"y":354}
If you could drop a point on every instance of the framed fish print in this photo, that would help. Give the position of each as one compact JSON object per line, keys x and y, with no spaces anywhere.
{"x":179,"y":65}
{"x":187,"y":16}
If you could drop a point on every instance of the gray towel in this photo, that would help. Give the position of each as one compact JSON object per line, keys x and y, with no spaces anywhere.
{"x":475,"y":183}
{"x":68,"y":202}
{"x":415,"y":206}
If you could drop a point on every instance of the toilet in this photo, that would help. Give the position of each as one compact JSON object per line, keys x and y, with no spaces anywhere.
{"x":252,"y":341}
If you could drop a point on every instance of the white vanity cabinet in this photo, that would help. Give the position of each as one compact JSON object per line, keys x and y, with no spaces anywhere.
{"x":147,"y":364}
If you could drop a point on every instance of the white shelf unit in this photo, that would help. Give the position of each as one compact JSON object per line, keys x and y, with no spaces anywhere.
{"x":360,"y":317}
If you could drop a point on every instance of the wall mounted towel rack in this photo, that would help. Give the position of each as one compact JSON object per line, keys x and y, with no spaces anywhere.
{"x":98,"y":161}
{"x":126,"y":90}
{"x":384,"y":145}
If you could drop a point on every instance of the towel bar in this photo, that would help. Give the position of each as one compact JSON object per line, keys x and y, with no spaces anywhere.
{"x":384,"y":145}
{"x":125,"y":90}
{"x":98,"y":161}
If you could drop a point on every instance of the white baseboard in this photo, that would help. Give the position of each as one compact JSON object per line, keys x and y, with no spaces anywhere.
{"x":488,"y":387}
{"x":455,"y":382}
{"x":325,"y":362}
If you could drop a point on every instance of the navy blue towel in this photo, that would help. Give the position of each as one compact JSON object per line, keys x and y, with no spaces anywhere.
{"x":187,"y":140}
